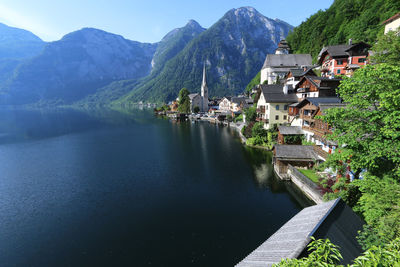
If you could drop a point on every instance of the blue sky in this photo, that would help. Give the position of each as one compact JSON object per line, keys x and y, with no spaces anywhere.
{"x":145,"y":20}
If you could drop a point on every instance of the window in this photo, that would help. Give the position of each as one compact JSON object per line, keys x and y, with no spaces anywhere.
{"x":361,"y":60}
{"x":284,"y":117}
{"x":266,"y":107}
{"x":338,"y":72}
{"x":277,"y":107}
{"x":285,"y":107}
{"x":339,"y":62}
{"x":276,"y":117}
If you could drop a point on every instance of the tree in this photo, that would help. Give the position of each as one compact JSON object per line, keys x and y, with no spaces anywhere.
{"x":324,"y":253}
{"x":368,"y":129}
{"x":196,"y":109}
{"x":380,"y":206}
{"x":258,"y":130}
{"x":251,"y":114}
{"x":387,"y":48}
{"x":184,"y":101}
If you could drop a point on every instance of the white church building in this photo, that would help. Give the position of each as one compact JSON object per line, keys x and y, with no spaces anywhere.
{"x":200,"y":100}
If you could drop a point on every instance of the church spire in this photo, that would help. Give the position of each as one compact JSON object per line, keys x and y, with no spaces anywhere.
{"x":204,"y":91}
{"x":204,"y":83}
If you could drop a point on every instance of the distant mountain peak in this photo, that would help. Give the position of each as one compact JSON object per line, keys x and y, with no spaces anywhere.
{"x":192,"y":23}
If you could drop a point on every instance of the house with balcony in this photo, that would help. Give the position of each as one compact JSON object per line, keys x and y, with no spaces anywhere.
{"x":314,"y":86}
{"x":335,"y":58}
{"x":295,"y":75}
{"x":314,"y":128}
{"x":273,"y":105}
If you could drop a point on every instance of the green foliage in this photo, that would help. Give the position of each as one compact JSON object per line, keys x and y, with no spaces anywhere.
{"x":311,"y":174}
{"x":238,"y":118}
{"x":324,"y":253}
{"x":229,"y":118}
{"x":369,"y":126}
{"x":387,"y":48}
{"x":258,"y":130}
{"x":255,"y":141}
{"x":196,"y":109}
{"x":386,"y":255}
{"x":380,"y":206}
{"x":293,"y":139}
{"x":184,"y":101}
{"x":344,"y":19}
{"x":304,"y":142}
{"x":255,"y":81}
{"x":251,"y":114}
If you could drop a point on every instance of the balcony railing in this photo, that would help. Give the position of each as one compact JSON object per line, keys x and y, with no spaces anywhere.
{"x":260,"y":110}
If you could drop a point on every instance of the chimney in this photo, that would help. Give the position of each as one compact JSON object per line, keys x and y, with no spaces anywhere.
{"x":285,"y":89}
{"x":350,"y":41}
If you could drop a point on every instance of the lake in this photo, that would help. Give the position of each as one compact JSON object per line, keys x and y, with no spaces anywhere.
{"x":124,"y":188}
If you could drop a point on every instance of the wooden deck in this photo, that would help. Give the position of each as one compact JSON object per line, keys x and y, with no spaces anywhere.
{"x":291,"y":239}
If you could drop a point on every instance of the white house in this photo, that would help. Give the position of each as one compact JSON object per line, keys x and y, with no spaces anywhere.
{"x":225,"y":104}
{"x":273,"y":105}
{"x":276,"y":66}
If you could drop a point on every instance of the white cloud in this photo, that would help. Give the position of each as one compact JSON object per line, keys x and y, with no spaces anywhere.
{"x":15,"y":19}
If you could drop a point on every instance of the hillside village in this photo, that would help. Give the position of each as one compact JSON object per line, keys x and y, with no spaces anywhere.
{"x":285,"y":113}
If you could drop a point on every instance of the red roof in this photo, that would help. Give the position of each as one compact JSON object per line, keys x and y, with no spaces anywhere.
{"x":392,"y":19}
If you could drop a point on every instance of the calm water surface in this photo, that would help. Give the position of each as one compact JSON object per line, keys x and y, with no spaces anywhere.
{"x":112,"y":188}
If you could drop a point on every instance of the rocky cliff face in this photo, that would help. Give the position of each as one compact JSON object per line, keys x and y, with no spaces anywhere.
{"x":77,"y":65}
{"x":233,"y":49}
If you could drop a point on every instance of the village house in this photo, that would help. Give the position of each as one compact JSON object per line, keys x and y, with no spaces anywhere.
{"x":335,"y":58}
{"x":295,"y":75}
{"x":314,"y":86}
{"x":392,"y":24}
{"x":225,"y":104}
{"x":240,"y":103}
{"x":315,"y":129}
{"x":272,"y":105}
{"x":277,"y":66}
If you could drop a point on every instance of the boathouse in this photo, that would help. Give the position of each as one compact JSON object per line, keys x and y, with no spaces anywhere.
{"x":295,"y":155}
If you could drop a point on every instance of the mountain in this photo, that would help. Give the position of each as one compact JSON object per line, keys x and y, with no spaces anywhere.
{"x":75,"y":66}
{"x":344,"y":19}
{"x":18,"y":44}
{"x":167,"y":48}
{"x":174,"y":41}
{"x":233,"y":49}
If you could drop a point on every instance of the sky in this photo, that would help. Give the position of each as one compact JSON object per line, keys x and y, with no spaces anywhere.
{"x":139,"y":20}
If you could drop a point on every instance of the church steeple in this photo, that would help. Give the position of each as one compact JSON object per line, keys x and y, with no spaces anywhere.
{"x":204,"y":87}
{"x":204,"y":91}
